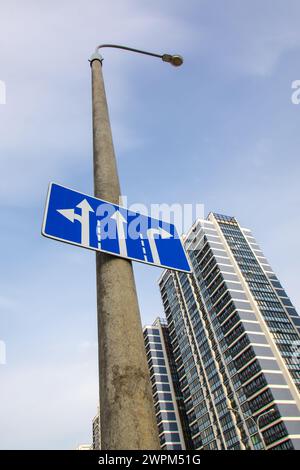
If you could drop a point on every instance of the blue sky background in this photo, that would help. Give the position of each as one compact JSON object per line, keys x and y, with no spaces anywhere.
{"x":221,"y":131}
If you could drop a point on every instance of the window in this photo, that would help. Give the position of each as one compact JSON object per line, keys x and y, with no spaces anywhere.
{"x":275,"y":433}
{"x":162,"y":387}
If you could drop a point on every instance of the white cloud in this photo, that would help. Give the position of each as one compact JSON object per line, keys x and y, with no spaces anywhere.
{"x":250,"y":37}
{"x":46,"y":124}
{"x":7,"y":303}
{"x":47,"y":405}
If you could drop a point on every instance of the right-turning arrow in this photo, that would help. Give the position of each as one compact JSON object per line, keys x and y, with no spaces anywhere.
{"x":150,"y":234}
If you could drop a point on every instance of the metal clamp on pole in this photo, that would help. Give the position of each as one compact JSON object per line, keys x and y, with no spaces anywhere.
{"x":96,"y":56}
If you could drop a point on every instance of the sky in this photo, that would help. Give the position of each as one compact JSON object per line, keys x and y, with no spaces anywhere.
{"x":221,"y":131}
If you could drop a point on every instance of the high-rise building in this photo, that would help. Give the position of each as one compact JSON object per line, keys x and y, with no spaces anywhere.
{"x":84,"y":447}
{"x":235,"y":337}
{"x":168,"y":402}
{"x":96,"y":431}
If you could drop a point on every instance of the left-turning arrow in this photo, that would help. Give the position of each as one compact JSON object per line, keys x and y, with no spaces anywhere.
{"x":84,"y":219}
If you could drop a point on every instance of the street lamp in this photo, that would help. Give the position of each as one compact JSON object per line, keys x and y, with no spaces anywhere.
{"x":256,"y":422}
{"x":127,"y":416}
{"x":271,"y":410}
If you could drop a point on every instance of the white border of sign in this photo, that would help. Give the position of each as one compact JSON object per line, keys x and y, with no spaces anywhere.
{"x":43,"y":232}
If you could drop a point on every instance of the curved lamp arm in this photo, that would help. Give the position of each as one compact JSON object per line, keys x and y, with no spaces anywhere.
{"x":174,"y":59}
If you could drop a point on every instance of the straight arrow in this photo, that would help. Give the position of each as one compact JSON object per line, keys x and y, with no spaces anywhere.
{"x":121,"y":221}
{"x":85,"y":221}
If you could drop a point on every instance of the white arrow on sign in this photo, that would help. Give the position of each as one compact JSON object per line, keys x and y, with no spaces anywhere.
{"x":121,"y":221}
{"x":84,"y":219}
{"x":150,"y":234}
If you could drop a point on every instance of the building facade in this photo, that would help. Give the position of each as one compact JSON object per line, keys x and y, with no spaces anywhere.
{"x":235,"y":338}
{"x":171,"y":419}
{"x":96,"y":431}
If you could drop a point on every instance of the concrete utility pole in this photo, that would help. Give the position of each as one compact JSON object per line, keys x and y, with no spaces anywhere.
{"x":127,"y":417}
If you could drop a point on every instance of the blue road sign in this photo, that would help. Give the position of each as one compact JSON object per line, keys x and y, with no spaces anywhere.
{"x":89,"y":222}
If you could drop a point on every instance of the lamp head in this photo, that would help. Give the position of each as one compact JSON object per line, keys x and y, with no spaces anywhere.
{"x":175,"y":59}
